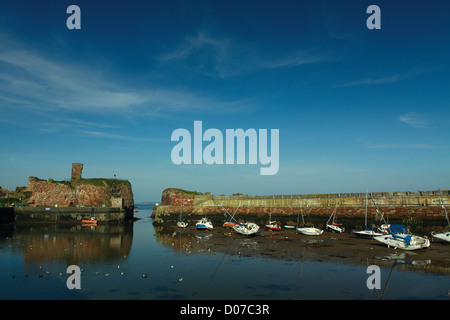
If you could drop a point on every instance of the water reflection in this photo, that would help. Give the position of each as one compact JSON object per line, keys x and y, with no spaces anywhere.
{"x":73,"y":244}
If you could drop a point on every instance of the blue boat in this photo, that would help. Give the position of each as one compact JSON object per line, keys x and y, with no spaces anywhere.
{"x":400,"y":237}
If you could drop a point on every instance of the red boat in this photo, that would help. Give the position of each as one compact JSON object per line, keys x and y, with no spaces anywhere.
{"x":273,"y":227}
{"x":89,"y":222}
{"x":229,"y":224}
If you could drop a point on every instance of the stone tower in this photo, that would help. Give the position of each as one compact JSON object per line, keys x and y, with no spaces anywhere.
{"x":77,"y":168}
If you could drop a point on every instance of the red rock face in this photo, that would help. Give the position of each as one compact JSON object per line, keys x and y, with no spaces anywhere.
{"x":174,"y":197}
{"x":45,"y":193}
{"x":66,"y":194}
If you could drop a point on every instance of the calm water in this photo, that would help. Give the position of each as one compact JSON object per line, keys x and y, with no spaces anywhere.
{"x":132,"y":261}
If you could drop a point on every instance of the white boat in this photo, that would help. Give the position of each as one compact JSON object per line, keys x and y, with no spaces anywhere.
{"x":442,"y":235}
{"x":400,"y":237}
{"x":247,"y":229}
{"x":331,"y":224}
{"x":309,"y":231}
{"x":272,"y":225}
{"x":204,"y":224}
{"x":384,"y":228}
{"x":446,"y":234}
{"x":180,"y":222}
{"x":367,"y":232}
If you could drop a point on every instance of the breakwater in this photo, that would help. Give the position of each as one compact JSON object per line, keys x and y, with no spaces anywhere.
{"x":423,"y":205}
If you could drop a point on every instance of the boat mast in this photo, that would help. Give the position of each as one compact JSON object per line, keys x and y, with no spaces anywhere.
{"x":443,"y":207}
{"x":366,"y":208}
{"x":378,"y":210}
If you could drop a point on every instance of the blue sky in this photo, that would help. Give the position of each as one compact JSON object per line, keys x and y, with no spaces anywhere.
{"x":356,"y":108}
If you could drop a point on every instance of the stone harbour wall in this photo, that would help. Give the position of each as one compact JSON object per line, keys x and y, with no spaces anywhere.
{"x":401,"y":205}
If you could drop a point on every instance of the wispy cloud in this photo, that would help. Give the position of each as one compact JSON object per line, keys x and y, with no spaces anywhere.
{"x":114,"y":136}
{"x":32,"y":81}
{"x":402,"y":146}
{"x":393,"y":78}
{"x":375,"y":81}
{"x":414,"y":119}
{"x":225,"y":57}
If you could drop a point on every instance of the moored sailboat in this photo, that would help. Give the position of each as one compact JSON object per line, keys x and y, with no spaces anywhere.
{"x":309,"y":231}
{"x":446,"y":234}
{"x":246,"y":229}
{"x":331,"y":224}
{"x":400,"y":237}
{"x":368,"y":232}
{"x":272,"y":225}
{"x":180,"y":222}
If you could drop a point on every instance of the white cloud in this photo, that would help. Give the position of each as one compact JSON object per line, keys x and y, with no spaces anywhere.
{"x":223,"y":57}
{"x":33,"y":81}
{"x":414,"y":119}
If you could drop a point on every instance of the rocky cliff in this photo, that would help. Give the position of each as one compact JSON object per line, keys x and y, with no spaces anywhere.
{"x":81,"y":192}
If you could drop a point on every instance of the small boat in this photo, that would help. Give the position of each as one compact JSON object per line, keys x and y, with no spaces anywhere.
{"x":400,"y":237}
{"x":230,"y":220}
{"x":332,"y":225}
{"x":247,"y":229}
{"x":89,"y":222}
{"x":309,"y":231}
{"x":289,"y":227}
{"x":384,"y":228}
{"x":441,"y":235}
{"x":180,"y":222}
{"x":204,"y":224}
{"x":273,"y":225}
{"x":446,"y":234}
{"x":368,"y":232}
{"x":229,"y":224}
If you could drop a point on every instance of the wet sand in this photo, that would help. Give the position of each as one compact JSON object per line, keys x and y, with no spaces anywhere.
{"x":289,"y":245}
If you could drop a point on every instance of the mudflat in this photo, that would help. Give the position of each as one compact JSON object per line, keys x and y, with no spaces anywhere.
{"x":289,"y":245}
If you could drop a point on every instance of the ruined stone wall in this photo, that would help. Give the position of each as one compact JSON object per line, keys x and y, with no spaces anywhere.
{"x":77,"y":169}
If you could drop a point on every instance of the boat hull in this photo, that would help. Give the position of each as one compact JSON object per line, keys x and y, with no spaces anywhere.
{"x":182,"y":224}
{"x":310,"y":231}
{"x":367,"y":233}
{"x":247,"y":229}
{"x":442,"y":236}
{"x":204,"y":224}
{"x":335,"y":228}
{"x":273,"y":227}
{"x":229,"y":224}
{"x":404,"y":241}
